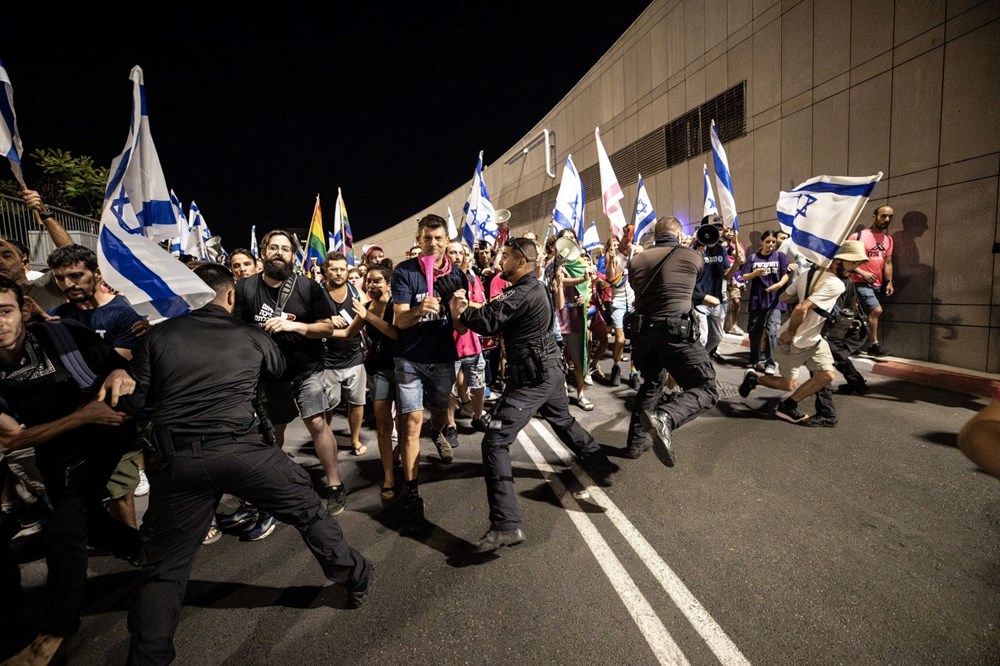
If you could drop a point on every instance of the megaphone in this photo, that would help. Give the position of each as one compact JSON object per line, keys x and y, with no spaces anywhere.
{"x":503,"y":216}
{"x":567,"y":249}
{"x":707,"y":235}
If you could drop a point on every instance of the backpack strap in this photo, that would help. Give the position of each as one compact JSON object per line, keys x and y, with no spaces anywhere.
{"x":283,"y":295}
{"x":69,"y":353}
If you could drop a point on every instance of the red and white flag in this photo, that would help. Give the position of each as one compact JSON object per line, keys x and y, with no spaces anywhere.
{"x":612,"y":192}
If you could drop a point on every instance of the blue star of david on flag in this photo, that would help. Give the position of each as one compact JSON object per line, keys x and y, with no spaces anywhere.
{"x":645,"y":216}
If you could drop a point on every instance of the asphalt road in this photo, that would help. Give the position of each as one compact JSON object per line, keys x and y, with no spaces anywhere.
{"x":872,"y":542}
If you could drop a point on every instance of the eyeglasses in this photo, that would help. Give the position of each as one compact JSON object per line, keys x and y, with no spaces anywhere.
{"x":287,"y":249}
{"x":515,"y":243}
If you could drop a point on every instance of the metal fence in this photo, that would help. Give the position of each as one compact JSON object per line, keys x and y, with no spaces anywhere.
{"x":17,"y":223}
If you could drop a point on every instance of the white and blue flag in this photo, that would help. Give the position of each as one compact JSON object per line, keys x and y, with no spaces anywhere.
{"x":568,"y":211}
{"x":711,"y":209}
{"x":254,"y":250}
{"x":452,"y":229}
{"x":480,"y":215}
{"x":724,"y":180}
{"x":178,"y":242}
{"x":197,"y":235}
{"x":591,"y":239}
{"x":157,"y":285}
{"x":10,"y":141}
{"x":645,"y":216}
{"x":820,"y":213}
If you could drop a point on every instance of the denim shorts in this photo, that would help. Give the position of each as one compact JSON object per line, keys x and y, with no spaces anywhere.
{"x":618,"y":315}
{"x":383,"y":385}
{"x":474,"y":368}
{"x":414,"y":379}
{"x":868,"y":296}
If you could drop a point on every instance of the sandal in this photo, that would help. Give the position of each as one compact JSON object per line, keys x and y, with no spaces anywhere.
{"x":584,"y":403}
{"x":361,"y":450}
{"x":390,"y":493}
{"x":214,"y":534}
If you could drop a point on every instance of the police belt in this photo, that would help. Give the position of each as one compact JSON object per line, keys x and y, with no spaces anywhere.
{"x":167,"y":444}
{"x":675,"y":327}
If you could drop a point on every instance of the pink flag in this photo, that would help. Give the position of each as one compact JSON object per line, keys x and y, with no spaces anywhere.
{"x":610,"y":188}
{"x":428,"y":264}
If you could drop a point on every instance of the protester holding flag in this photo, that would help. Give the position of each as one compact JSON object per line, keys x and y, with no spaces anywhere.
{"x":572,"y":317}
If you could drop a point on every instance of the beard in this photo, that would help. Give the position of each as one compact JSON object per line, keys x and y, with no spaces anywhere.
{"x":277,"y":269}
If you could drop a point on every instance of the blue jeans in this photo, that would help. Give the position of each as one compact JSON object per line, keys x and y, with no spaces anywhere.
{"x":763,"y":323}
{"x":712,"y":319}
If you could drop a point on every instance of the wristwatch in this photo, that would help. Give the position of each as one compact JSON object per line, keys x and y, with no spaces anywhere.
{"x":46,"y":213}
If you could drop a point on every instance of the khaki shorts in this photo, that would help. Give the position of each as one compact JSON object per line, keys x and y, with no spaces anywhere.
{"x":791,"y":358}
{"x":125,"y":478}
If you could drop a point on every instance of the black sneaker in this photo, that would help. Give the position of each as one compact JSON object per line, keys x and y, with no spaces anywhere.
{"x":616,"y":375}
{"x":480,"y":424}
{"x":443,"y":444}
{"x":413,"y":513}
{"x":878,"y":350}
{"x":357,"y":592}
{"x":245,"y":516}
{"x":657,"y":425}
{"x":821,"y":422}
{"x":636,"y":449}
{"x":451,"y":434}
{"x":600,"y":469}
{"x":788,"y":411}
{"x":336,"y":500}
{"x":852,"y":389}
{"x":633,"y":381}
{"x":749,"y":383}
{"x":496,"y":539}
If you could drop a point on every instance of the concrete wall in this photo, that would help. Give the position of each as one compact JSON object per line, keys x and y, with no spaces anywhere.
{"x":841,"y":87}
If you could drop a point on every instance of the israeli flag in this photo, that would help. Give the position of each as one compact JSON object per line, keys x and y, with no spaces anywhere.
{"x":254,"y":250}
{"x":645,"y":216}
{"x":568,"y":211}
{"x":478,"y":209}
{"x":726,"y":202}
{"x":820,"y":213}
{"x":157,"y":285}
{"x":178,"y":242}
{"x":591,"y":239}
{"x":10,"y":141}
{"x":452,"y":229}
{"x":710,"y":208}
{"x":331,"y":241}
{"x":196,"y":234}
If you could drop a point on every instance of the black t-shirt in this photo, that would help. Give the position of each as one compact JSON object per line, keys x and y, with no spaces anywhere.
{"x":255,"y":304}
{"x":341,"y":354}
{"x":430,"y":340}
{"x":40,"y":389}
{"x":716,"y":264}
{"x":381,"y":348}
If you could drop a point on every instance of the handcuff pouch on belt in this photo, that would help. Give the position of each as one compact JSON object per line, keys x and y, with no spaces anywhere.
{"x":529,"y":369}
{"x":683,"y":328}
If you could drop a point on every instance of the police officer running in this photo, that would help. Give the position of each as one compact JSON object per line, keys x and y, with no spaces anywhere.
{"x":207,"y":443}
{"x":536,"y":380}
{"x":665,"y":338}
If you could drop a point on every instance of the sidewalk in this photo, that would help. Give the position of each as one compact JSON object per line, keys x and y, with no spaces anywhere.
{"x":918,"y":372}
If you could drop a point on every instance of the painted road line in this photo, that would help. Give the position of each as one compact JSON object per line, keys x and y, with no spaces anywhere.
{"x":660,"y":641}
{"x":706,"y":626}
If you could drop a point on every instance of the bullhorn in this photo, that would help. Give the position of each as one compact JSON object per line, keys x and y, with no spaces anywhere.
{"x":707,"y":235}
{"x":567,"y":249}
{"x":503,"y":216}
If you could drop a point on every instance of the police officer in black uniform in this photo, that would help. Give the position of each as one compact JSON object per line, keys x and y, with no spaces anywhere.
{"x":664,"y":338}
{"x":201,"y":373}
{"x":535,"y":384}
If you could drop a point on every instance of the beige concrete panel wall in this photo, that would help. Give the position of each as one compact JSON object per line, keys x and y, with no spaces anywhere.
{"x":675,"y":40}
{"x":914,"y":17}
{"x":739,"y":62}
{"x":831,"y":39}
{"x":797,"y":50}
{"x":871,"y":29}
{"x":766,"y":61}
{"x":766,"y":165}
{"x":916,"y":112}
{"x":964,"y":267}
{"x":694,"y":30}
{"x":681,"y":190}
{"x":658,"y":53}
{"x":643,"y":68}
{"x":739,"y":14}
{"x":796,"y":149}
{"x":740,"y":153}
{"x":971,"y":90}
{"x":716,"y":24}
{"x":716,"y":76}
{"x":869,"y":126}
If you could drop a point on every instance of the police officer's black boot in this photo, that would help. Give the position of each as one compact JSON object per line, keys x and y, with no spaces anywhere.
{"x":616,"y":375}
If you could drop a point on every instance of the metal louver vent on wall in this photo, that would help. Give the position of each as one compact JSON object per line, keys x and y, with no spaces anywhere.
{"x":682,"y":139}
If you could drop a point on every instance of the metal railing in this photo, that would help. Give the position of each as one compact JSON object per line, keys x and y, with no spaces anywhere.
{"x":17,"y":223}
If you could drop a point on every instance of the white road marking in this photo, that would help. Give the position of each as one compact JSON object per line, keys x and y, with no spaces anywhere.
{"x":662,"y":643}
{"x":706,"y":626}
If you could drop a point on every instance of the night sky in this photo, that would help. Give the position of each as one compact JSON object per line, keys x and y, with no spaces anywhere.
{"x":253,"y":114}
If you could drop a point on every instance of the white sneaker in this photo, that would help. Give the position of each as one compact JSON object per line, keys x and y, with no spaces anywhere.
{"x":588,"y":380}
{"x":736,"y":330}
{"x":143,"y":487}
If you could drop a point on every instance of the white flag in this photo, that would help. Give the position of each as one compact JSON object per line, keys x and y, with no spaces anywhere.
{"x":591,"y":239}
{"x":452,"y":229}
{"x":820,"y":213}
{"x":156,"y":284}
{"x":611,"y":191}
{"x":710,"y":209}
{"x":568,"y":211}
{"x":724,"y":180}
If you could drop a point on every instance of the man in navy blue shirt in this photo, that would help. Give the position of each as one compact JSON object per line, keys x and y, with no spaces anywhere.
{"x":712,"y":282}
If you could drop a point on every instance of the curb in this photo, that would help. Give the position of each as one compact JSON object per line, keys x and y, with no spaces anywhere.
{"x":917,"y":372}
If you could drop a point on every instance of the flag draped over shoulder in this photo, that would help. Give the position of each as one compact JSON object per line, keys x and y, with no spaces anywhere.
{"x":156,"y":284}
{"x":10,"y":141}
{"x":710,"y":207}
{"x":568,"y":211}
{"x":315,"y":244}
{"x":480,"y":215}
{"x":820,"y":213}
{"x":645,"y":216}
{"x":724,"y":180}
{"x":611,"y":192}
{"x":591,"y":239}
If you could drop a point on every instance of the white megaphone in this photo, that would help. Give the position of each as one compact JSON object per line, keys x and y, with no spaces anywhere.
{"x":567,"y":249}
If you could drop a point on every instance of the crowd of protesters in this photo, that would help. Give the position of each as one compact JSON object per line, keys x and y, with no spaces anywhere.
{"x":374,"y":341}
